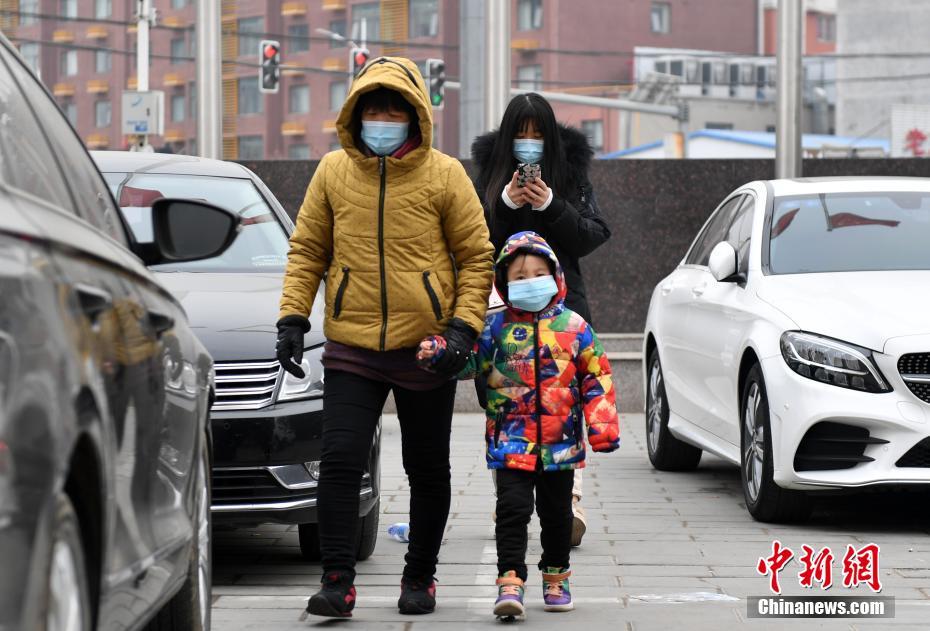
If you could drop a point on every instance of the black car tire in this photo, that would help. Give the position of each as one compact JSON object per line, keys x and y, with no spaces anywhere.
{"x":67,"y":568}
{"x":765,"y":500}
{"x":189,"y":609}
{"x":309,"y":536}
{"x":666,"y":453}
{"x":368,"y":532}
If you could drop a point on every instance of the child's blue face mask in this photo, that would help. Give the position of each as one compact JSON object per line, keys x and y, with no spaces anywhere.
{"x":532,"y":294}
{"x":528,"y":150}
{"x":384,"y":138}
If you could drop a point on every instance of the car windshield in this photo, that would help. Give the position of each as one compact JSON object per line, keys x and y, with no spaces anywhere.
{"x":848,"y":232}
{"x":262,"y":243}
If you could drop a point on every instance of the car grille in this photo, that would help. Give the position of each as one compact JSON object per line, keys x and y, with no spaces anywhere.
{"x":828,"y":445}
{"x":252,"y":486}
{"x":916,"y":456}
{"x":245,"y":385}
{"x":915,"y":370}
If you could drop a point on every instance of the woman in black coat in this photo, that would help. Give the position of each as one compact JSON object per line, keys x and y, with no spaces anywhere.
{"x":559,"y":205}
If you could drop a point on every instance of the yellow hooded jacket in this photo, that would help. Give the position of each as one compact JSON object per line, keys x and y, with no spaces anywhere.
{"x":403,"y":242}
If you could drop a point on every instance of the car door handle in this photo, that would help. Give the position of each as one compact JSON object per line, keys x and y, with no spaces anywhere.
{"x":666,"y":288}
{"x":160,"y":322}
{"x":93,"y":301}
{"x":698,"y":290}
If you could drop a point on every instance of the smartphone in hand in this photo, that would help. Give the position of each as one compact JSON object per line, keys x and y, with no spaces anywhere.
{"x":526,"y":172}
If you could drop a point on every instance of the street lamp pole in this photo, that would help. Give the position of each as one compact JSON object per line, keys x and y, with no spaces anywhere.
{"x":209,"y":54}
{"x":788,"y":116}
{"x":497,"y":66}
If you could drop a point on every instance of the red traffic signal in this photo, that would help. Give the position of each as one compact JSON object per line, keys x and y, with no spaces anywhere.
{"x":358,"y":57}
{"x":269,"y":73}
{"x":271,"y":50}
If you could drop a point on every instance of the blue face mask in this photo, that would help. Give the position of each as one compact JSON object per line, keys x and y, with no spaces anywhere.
{"x":528,"y":150}
{"x":384,"y":138}
{"x":532,"y":294}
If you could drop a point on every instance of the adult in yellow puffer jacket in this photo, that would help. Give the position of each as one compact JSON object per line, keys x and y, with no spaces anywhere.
{"x":399,"y":233}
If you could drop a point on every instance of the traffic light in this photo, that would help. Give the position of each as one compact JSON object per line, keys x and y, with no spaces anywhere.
{"x":269,"y":74}
{"x":358,"y":57}
{"x":436,"y":80}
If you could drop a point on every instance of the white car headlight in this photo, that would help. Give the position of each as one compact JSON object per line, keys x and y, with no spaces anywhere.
{"x":311,"y":386}
{"x":833,"y":362}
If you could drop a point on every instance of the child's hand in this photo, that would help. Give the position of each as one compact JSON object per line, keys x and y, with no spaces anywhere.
{"x":427,"y":350}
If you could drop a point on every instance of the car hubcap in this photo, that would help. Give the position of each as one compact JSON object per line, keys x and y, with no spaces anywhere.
{"x":64,"y":612}
{"x":203,"y":547}
{"x":656,"y":405}
{"x":753,"y":442}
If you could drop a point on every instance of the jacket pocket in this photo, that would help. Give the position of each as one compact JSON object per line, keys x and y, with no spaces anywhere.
{"x":337,"y":303}
{"x":433,"y":298}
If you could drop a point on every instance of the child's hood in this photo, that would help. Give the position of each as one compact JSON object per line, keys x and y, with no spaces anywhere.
{"x":528,"y":242}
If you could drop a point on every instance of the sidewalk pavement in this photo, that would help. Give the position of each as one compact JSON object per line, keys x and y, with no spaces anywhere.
{"x":663,"y":551}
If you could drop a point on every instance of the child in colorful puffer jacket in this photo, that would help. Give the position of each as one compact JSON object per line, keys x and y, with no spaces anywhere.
{"x":545,"y":369}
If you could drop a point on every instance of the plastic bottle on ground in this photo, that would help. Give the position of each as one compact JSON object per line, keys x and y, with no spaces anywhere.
{"x":399,"y":532}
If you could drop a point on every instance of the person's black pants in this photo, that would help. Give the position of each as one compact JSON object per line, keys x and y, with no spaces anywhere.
{"x":351,"y":407}
{"x":514,"y":508}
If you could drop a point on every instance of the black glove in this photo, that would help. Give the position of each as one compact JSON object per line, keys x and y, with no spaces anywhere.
{"x":460,"y":341}
{"x":290,"y":345}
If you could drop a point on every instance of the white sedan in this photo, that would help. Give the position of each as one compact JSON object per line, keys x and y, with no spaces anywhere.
{"x":794,"y":341}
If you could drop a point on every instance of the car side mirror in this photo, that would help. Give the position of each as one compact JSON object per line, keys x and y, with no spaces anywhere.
{"x":723,"y":262}
{"x":187,"y":230}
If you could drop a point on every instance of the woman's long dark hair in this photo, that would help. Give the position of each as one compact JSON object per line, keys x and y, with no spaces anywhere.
{"x":521,"y":110}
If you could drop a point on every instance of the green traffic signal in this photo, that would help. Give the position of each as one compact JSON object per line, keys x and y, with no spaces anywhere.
{"x":437,"y":99}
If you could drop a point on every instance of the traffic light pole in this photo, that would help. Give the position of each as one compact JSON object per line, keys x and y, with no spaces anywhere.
{"x":143,"y":21}
{"x":209,"y":80}
{"x":497,"y":61}
{"x":788,"y":93}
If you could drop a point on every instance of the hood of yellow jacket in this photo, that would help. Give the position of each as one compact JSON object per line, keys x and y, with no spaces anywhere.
{"x":398,"y":74}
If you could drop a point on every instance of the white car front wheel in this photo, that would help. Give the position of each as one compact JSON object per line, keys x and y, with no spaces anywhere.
{"x":666,"y":453}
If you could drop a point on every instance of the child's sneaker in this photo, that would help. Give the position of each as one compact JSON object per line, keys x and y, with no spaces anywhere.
{"x":417,"y":596}
{"x":509,"y":596}
{"x":556,"y":592}
{"x":336,"y":598}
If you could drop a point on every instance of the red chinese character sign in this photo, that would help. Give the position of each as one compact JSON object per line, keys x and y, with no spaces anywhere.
{"x":861,"y":567}
{"x":774,"y":564}
{"x":816,"y":568}
{"x":914,"y":142}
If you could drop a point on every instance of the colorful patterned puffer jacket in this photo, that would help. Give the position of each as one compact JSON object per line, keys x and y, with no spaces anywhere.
{"x":545,"y":371}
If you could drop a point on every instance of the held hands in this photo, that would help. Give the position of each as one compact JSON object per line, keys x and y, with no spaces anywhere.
{"x":447,"y":354}
{"x":535,"y":192}
{"x":290,"y":345}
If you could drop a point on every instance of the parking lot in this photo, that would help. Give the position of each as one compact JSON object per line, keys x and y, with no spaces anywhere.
{"x":663,"y":550}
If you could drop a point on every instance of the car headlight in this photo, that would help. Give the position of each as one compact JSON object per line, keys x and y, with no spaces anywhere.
{"x":311,"y":385}
{"x":830,"y":361}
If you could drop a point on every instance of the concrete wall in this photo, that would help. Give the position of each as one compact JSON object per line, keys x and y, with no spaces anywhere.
{"x":871,"y":28}
{"x":653,"y":207}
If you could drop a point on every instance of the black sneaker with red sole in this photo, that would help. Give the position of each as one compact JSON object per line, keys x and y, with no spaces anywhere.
{"x":336,"y":598}
{"x":417,"y":596}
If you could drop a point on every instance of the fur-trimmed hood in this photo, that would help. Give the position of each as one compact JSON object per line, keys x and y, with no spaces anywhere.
{"x":578,"y":155}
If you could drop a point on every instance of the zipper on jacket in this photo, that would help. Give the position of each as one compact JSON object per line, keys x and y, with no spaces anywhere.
{"x":433,"y":298}
{"x":539,"y":433}
{"x":384,"y":303}
{"x":337,"y":306}
{"x":497,"y":427}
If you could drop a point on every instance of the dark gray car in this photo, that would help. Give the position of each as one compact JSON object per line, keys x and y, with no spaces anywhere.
{"x":105,"y":392}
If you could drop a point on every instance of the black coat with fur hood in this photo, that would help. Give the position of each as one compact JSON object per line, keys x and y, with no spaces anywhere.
{"x":572,"y":224}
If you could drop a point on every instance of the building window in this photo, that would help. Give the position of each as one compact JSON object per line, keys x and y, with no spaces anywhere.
{"x":299,"y":99}
{"x":178,"y":108}
{"x":179,"y":4}
{"x":102,"y":113}
{"x":27,"y":7}
{"x":68,"y":9}
{"x":192,"y":91}
{"x":529,"y":77}
{"x":826,"y":27}
{"x":70,"y":111}
{"x":250,"y":99}
{"x":661,"y":17}
{"x":299,"y":152}
{"x":424,"y":18}
{"x":251,"y":147}
{"x":594,"y":130}
{"x":723,"y":126}
{"x":103,"y":61}
{"x":299,"y":41}
{"x":248,"y":44}
{"x":178,"y":50}
{"x":69,"y":63}
{"x":338,"y":27}
{"x":30,"y":54}
{"x":529,"y":15}
{"x":370,"y":15}
{"x":337,"y":95}
{"x":103,"y":9}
